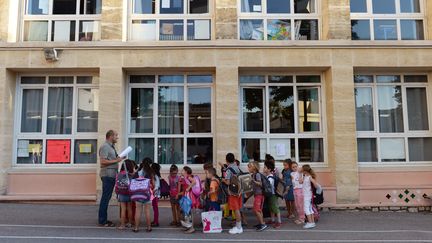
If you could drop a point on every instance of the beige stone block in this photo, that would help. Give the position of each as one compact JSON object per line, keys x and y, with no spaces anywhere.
{"x":226,"y":3}
{"x":428,"y":7}
{"x":226,"y":15}
{"x":342,"y":58}
{"x":226,"y":31}
{"x":4,"y":20}
{"x":227,"y":57}
{"x":336,"y":19}
{"x":111,"y":20}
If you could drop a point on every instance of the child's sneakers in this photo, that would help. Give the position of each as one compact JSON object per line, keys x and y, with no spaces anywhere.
{"x":261,"y":227}
{"x":277,"y":225}
{"x":236,"y":230}
{"x":309,"y":226}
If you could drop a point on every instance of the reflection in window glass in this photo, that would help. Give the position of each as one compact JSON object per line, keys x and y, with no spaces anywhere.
{"x":277,"y":6}
{"x":251,"y":29}
{"x":144,"y":30}
{"x":253,"y":150}
{"x":364,"y":109}
{"x":199,"y":79}
{"x":311,"y":149}
{"x":253,"y":115}
{"x":89,"y":31}
{"x":171,"y":7}
{"x":367,"y":150}
{"x":279,"y":29}
{"x":171,"y":79}
{"x":308,"y":109}
{"x":249,"y":6}
{"x":171,"y":30}
{"x":142,"y":79}
{"x":63,"y":31}
{"x":388,"y":79}
{"x":144,"y":6}
{"x":420,"y":149}
{"x":358,"y":6}
{"x":91,"y":6}
{"x":198,"y":6}
{"x":304,"y":6}
{"x":37,"y":7}
{"x":198,"y":29}
{"x":280,"y":79}
{"x":383,"y":6}
{"x":390,"y":109}
{"x":281,"y":101}
{"x":252,"y":79}
{"x":417,"y":109}
{"x":392,"y":149}
{"x":33,"y":80}
{"x":64,"y":6}
{"x":306,"y":29}
{"x":415,"y":79}
{"x":171,"y":110}
{"x":88,"y":110}
{"x":170,"y":151}
{"x":31,"y":110}
{"x":29,"y":151}
{"x":86,"y":80}
{"x":308,"y":79}
{"x":199,"y":150}
{"x":385,"y":30}
{"x":411,"y":29}
{"x":141,"y":110}
{"x":200,"y":110}
{"x":85,"y":151}
{"x":60,"y":103}
{"x":358,"y":79}
{"x":360,"y":30}
{"x":35,"y":30}
{"x":141,"y":148}
{"x":60,"y":80}
{"x":410,"y":6}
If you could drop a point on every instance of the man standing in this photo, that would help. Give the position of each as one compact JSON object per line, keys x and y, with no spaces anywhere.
{"x":109,"y":160}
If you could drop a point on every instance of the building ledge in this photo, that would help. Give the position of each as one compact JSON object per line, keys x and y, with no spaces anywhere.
{"x":45,"y":198}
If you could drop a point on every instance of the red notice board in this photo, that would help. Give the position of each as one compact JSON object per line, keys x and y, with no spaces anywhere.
{"x":58,"y":151}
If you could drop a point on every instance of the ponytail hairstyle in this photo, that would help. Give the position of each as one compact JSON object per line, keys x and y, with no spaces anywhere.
{"x":156,"y":169}
{"x":255,"y":165}
{"x":146,"y":166}
{"x":130,"y":166}
{"x":309,"y":170}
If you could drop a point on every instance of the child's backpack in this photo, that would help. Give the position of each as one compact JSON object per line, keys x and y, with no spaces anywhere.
{"x":140,"y":189}
{"x":197,"y":189}
{"x":222,"y":193}
{"x":318,"y":195}
{"x":267,"y":188}
{"x":164,"y":189}
{"x":122,"y":183}
{"x":235,"y":186}
{"x":173,"y":185}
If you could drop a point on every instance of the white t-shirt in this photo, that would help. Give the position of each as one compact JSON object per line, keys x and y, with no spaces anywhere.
{"x":307,"y":187}
{"x":296,"y":180}
{"x":272,"y":182}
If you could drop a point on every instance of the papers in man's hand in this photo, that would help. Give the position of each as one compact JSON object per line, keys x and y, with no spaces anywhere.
{"x":125,"y":152}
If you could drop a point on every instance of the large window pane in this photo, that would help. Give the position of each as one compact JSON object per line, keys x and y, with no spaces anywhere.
{"x":85,"y":151}
{"x":253,"y":106}
{"x":144,"y":6}
{"x":88,"y":110}
{"x":91,"y":7}
{"x":64,"y":6}
{"x":63,"y":31}
{"x":170,"y":151}
{"x":199,"y":150}
{"x":171,"y":7}
{"x":141,"y":148}
{"x":410,"y":6}
{"x":35,"y":30}
{"x":198,"y":6}
{"x":385,"y":30}
{"x":279,"y":29}
{"x":37,"y":7}
{"x":358,"y":6}
{"x":281,"y":109}
{"x":251,"y":29}
{"x":383,"y":6}
{"x":304,"y":6}
{"x":144,"y":30}
{"x":306,"y":30}
{"x":311,"y":150}
{"x":309,"y":110}
{"x":89,"y":31}
{"x":420,"y":149}
{"x":141,"y":111}
{"x":392,"y":150}
{"x":417,"y":109}
{"x":198,"y":29}
{"x":171,"y":110}
{"x":282,"y":148}
{"x":390,"y":109}
{"x":60,"y":102}
{"x":29,"y":151}
{"x":249,"y":6}
{"x":200,"y":110}
{"x":253,"y":149}
{"x":278,"y":6}
{"x":360,"y":30}
{"x":412,"y":29}
{"x":364,"y":109}
{"x":367,"y":150}
{"x":171,"y":30}
{"x":31,"y":111}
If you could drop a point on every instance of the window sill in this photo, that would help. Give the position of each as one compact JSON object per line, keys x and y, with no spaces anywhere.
{"x":53,"y":170}
{"x":406,"y":167}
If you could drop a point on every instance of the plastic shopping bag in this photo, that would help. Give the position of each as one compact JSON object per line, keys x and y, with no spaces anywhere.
{"x":212,"y":221}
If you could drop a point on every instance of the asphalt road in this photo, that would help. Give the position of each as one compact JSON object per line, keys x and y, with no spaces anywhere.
{"x":72,"y":223}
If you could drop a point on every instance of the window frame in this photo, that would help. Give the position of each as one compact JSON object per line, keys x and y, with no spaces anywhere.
{"x":406,"y":134}
{"x":75,"y":135}
{"x":292,"y":17}
{"x":397,"y":16}
{"x":155,"y":133}
{"x":296,"y":135}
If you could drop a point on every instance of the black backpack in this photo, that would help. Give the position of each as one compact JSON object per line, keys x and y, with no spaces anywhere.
{"x":318,"y":199}
{"x":267,"y":188}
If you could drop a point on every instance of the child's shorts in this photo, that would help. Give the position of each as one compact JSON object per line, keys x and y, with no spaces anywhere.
{"x":258,"y":203}
{"x":124,"y":198}
{"x":174,"y":200}
{"x":235,"y":202}
{"x":214,"y":206}
{"x":274,"y":207}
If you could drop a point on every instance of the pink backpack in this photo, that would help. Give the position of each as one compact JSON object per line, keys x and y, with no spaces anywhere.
{"x":197,"y":188}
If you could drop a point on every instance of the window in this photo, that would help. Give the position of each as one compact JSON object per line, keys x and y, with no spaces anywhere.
{"x":278,"y":20}
{"x":281,"y":115}
{"x":387,"y":20}
{"x":58,"y":122}
{"x":62,"y":20}
{"x":170,"y":118}
{"x":170,"y":20}
{"x":392,"y":118}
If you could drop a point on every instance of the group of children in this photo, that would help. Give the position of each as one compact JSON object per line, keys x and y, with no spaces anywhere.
{"x":188,"y":194}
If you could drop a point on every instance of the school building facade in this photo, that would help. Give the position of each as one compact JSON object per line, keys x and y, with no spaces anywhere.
{"x":342,"y":85}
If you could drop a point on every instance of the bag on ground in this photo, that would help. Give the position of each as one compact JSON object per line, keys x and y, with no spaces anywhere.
{"x":212,"y":221}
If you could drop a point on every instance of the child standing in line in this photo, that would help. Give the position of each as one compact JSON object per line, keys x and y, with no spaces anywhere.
{"x":206,"y":185}
{"x":258,"y":204}
{"x":296,"y":175}
{"x":174,"y":179}
{"x":268,"y":170}
{"x":126,"y":212}
{"x":156,"y":193}
{"x":187,"y":183}
{"x":213,"y":190}
{"x":144,"y":171}
{"x":288,"y":193}
{"x":307,"y":181}
{"x":234,"y":201}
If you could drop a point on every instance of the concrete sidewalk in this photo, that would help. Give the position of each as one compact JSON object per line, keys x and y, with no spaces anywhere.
{"x":74,"y":223}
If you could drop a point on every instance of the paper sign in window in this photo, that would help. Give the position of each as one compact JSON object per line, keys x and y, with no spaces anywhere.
{"x":202,"y":30}
{"x":34,"y":148}
{"x":61,"y":30}
{"x":166,"y":3}
{"x":23,"y":151}
{"x":144,"y":31}
{"x":58,"y":151}
{"x":167,"y":29}
{"x":85,"y":148}
{"x":257,"y":8}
